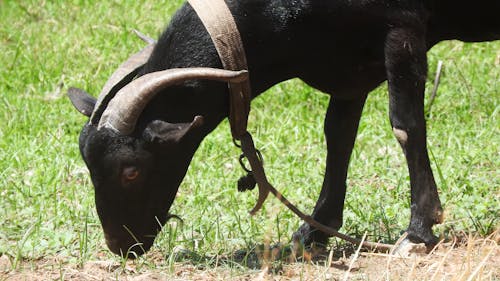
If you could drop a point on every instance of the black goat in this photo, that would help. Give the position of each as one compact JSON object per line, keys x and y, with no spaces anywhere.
{"x":343,"y":48}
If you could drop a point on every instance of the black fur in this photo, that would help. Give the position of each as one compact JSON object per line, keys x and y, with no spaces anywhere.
{"x":344,"y":48}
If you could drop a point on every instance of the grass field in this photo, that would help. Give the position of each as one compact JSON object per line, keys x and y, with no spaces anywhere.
{"x":46,"y":198}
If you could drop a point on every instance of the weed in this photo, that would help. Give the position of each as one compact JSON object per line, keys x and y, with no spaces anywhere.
{"x":46,"y":197}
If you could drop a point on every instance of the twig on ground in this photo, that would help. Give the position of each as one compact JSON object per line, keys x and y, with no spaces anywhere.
{"x":437,"y":79}
{"x":356,"y":255}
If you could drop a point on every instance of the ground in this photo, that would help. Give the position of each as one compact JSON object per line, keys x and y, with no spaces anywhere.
{"x":462,"y":259}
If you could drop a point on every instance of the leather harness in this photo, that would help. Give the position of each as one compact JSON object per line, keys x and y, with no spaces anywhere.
{"x":219,"y":22}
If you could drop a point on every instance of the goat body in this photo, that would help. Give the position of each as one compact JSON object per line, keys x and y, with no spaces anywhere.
{"x":343,"y":48}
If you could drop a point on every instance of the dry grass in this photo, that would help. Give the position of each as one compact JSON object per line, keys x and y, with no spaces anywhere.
{"x":465,"y":258}
{"x":50,"y":229}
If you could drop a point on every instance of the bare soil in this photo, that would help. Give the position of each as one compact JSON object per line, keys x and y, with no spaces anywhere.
{"x":470,"y":259}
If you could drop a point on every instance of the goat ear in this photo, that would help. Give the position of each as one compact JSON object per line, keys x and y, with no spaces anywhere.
{"x":162,"y":132}
{"x":82,"y":101}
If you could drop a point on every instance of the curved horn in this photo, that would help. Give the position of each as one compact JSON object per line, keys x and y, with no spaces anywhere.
{"x":122,"y":76}
{"x":144,"y":37}
{"x":125,"y":108}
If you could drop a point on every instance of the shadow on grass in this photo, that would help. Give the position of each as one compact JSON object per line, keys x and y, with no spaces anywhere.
{"x":261,"y":256}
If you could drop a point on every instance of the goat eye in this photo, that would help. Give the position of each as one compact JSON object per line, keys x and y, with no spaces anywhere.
{"x":130,"y":173}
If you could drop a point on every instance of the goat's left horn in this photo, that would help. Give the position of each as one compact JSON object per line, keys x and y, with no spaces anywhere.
{"x":124,"y":109}
{"x":122,"y":75}
{"x":144,"y":37}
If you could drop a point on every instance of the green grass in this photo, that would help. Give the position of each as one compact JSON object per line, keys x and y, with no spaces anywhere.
{"x":46,"y":198}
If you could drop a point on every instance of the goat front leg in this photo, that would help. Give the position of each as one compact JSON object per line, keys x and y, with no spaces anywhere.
{"x":341,"y":125}
{"x":406,"y":65}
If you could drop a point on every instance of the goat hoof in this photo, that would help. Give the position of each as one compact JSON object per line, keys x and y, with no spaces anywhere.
{"x":309,"y":252}
{"x":306,"y":236}
{"x":422,"y":236}
{"x":406,"y":248}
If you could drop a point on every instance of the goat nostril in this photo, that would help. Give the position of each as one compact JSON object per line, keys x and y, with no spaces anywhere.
{"x":129,"y":248}
{"x":113,"y":246}
{"x":131,"y":251}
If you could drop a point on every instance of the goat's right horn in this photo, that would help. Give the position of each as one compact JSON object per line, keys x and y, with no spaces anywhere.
{"x":124,"y":109}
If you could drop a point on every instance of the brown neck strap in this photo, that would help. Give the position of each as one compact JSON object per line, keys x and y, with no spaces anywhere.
{"x":220,"y":24}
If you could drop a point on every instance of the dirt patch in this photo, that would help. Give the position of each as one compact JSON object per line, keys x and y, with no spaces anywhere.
{"x":474,"y":259}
